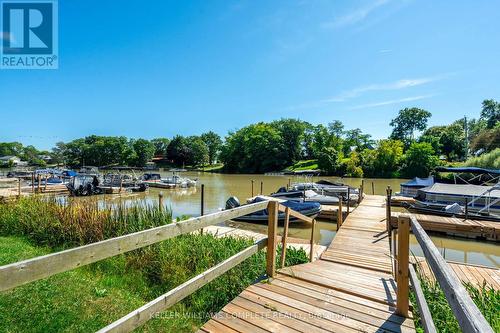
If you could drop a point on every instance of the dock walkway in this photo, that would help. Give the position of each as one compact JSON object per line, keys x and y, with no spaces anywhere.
{"x":350,"y":289}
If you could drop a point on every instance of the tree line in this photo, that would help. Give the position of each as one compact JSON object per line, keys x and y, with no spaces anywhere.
{"x":412,"y":149}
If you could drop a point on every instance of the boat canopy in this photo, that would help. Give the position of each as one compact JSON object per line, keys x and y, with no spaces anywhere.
{"x":474,"y":170}
{"x":419,"y":182}
{"x":462,"y":190}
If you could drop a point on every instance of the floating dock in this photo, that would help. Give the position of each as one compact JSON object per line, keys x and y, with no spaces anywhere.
{"x":454,"y":226}
{"x":349,"y":289}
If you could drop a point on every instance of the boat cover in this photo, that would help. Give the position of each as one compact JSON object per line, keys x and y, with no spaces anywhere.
{"x":296,"y":206}
{"x":419,"y":182}
{"x":469,"y":170}
{"x":462,"y":190}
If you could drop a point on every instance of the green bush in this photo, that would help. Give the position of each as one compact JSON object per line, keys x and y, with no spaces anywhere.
{"x":490,"y":160}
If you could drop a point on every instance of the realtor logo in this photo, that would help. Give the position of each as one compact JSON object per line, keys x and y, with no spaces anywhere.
{"x":28,"y":34}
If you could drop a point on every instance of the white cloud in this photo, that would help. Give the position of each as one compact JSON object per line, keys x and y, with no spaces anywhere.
{"x":357,"y":15}
{"x":391,"y":102}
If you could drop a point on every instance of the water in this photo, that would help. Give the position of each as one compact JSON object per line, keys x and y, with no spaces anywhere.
{"x":219,"y":187}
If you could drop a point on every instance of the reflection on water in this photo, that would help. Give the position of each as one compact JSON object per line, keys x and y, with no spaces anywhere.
{"x":219,"y":187}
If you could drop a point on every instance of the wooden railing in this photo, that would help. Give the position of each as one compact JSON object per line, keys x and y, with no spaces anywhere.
{"x":468,"y":315}
{"x":19,"y":273}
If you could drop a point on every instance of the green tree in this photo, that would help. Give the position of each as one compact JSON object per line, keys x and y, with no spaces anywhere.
{"x":213,"y":143}
{"x":292,"y":134}
{"x":486,"y":141}
{"x":255,"y":148}
{"x":178,"y":150}
{"x":11,"y":149}
{"x":144,"y":152}
{"x":408,"y":121}
{"x":383,"y":161}
{"x":161,"y":145}
{"x":329,"y":160}
{"x":355,"y":139}
{"x":490,"y":112}
{"x":419,"y":160}
{"x":198,"y":151}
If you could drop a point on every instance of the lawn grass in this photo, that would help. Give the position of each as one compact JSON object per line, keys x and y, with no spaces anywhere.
{"x":304,"y":165}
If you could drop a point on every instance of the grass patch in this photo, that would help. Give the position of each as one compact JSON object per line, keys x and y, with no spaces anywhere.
{"x":88,"y":298}
{"x":304,"y":165}
{"x":486,"y":299}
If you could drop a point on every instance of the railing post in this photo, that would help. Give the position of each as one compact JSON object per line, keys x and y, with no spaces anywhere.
{"x":160,"y":201}
{"x":311,"y":253}
{"x":272,"y":227}
{"x":388,"y":209}
{"x":402,"y":271}
{"x":348,"y":200}
{"x":340,"y":216}
{"x":285,"y":235}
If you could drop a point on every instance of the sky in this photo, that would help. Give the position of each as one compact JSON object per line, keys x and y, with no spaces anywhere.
{"x":160,"y":68}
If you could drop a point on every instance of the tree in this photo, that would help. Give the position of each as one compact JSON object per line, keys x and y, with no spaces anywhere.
{"x":419,"y":160}
{"x":213,"y":143}
{"x":11,"y":149}
{"x":447,"y":140}
{"x":407,"y":122}
{"x":256,"y":148}
{"x":384,"y":160}
{"x":329,"y":160}
{"x":491,"y":112}
{"x":486,"y":141}
{"x":355,"y":139}
{"x":161,"y":145}
{"x":292,"y":133}
{"x":198,"y":152}
{"x":144,"y":152}
{"x":178,"y":150}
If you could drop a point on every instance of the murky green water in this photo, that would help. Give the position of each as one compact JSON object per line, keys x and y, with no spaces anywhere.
{"x":219,"y":187}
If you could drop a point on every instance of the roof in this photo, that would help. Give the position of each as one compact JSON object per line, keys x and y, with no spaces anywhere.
{"x":462,"y":189}
{"x":469,"y":170}
{"x":419,"y":182}
{"x":8,"y":157}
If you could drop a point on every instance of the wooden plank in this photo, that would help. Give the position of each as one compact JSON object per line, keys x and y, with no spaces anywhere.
{"x":138,"y":317}
{"x":423,"y":307}
{"x":272,"y":229}
{"x":402,"y":281}
{"x":468,"y":315}
{"x":213,"y":326}
{"x":285,"y":235}
{"x":30,"y":270}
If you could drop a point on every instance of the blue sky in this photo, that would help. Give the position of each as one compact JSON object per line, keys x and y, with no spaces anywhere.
{"x":159,"y":68}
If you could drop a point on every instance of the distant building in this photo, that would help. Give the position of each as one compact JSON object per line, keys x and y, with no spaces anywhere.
{"x":13,"y":160}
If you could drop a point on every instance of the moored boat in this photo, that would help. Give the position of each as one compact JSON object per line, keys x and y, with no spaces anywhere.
{"x":309,"y":209}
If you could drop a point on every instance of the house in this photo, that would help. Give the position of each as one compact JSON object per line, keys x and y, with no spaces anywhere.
{"x":12,"y":160}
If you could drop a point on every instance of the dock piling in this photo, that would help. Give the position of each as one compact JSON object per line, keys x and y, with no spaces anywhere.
{"x":272,"y":227}
{"x":202,"y":208}
{"x":160,"y":201}
{"x":261,"y":187}
{"x":373,"y":188}
{"x":252,"y":187}
{"x":339,"y":214}
{"x":348,"y":200}
{"x":311,"y":253}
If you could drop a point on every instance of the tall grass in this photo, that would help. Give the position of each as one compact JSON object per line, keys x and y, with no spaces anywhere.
{"x":486,"y":298}
{"x":46,"y":221}
{"x":490,"y":160}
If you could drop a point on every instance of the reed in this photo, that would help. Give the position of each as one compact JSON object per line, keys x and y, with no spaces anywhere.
{"x":486,"y":298}
{"x":48,"y":221}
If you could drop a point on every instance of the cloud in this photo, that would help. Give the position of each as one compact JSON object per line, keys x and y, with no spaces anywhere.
{"x":356,"y":16}
{"x":391,"y":102}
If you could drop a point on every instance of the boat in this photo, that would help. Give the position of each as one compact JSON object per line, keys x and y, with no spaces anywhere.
{"x":123,"y":181}
{"x":305,"y":196}
{"x":328,"y":188}
{"x":309,"y":209}
{"x":459,"y":198}
{"x":84,"y":185}
{"x":410,"y":188}
{"x":176,"y":181}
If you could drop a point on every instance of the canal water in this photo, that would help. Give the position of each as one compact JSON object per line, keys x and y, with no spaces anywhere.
{"x":219,"y":187}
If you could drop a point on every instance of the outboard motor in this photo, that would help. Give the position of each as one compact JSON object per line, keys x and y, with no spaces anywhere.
{"x":282,"y":190}
{"x":232,"y":202}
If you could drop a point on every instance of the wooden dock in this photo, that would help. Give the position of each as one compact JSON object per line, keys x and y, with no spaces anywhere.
{"x":457,"y":227}
{"x":350,"y":289}
{"x":476,"y":275}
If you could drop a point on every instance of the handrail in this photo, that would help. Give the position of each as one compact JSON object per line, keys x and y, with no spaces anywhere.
{"x":425,"y":313}
{"x":141,"y":315}
{"x":22,"y":272}
{"x":468,"y":315}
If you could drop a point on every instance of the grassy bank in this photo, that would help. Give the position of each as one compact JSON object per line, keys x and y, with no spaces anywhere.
{"x":486,"y":299}
{"x":88,"y":298}
{"x":304,"y":165}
